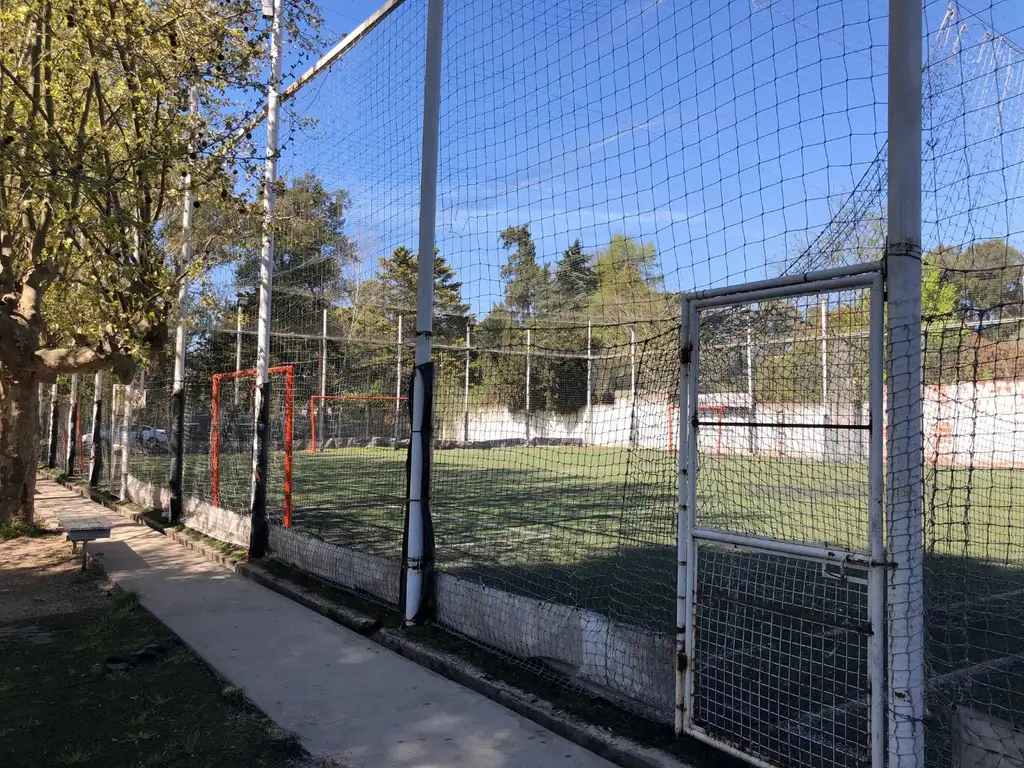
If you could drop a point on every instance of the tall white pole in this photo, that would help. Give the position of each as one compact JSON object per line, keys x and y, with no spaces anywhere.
{"x":529,"y":345}
{"x":905,"y":481}
{"x":465,"y":388}
{"x":589,"y":433}
{"x":54,"y":427}
{"x":824,"y":357}
{"x":632,"y":385}
{"x":751,"y":399}
{"x":127,"y":393}
{"x":323,"y":377}
{"x":398,"y":379}
{"x":238,"y":344}
{"x":178,"y":392}
{"x":259,"y":537}
{"x":415,"y":564}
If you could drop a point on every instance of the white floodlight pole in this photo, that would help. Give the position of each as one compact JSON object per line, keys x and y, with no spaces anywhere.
{"x":259,"y":537}
{"x":905,"y":478}
{"x":415,"y":564}
{"x":178,"y":392}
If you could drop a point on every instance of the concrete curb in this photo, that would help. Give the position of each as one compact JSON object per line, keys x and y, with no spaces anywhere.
{"x":346,"y":617}
{"x":197,"y":546}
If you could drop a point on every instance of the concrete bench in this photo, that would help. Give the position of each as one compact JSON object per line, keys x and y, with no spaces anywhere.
{"x":82,"y":528}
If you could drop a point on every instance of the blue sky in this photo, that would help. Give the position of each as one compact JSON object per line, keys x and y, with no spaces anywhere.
{"x":726,"y":132}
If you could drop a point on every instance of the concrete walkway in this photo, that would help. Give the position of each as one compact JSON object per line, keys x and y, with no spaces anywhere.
{"x":344,"y":696}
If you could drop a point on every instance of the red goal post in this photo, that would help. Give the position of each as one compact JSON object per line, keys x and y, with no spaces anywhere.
{"x":316,"y":400}
{"x":289,"y":397}
{"x":673,"y":425}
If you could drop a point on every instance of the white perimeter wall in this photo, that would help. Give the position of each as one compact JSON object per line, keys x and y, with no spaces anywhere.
{"x":965,"y":425}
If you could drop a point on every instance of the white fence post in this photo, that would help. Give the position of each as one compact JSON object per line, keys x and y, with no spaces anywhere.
{"x":126,"y":439}
{"x":71,"y":454}
{"x":904,"y":487}
{"x":259,"y":538}
{"x":529,"y":344}
{"x":465,"y":389}
{"x":96,"y":444}
{"x":398,"y":378}
{"x":416,"y":549}
{"x":323,"y":378}
{"x":589,"y":432}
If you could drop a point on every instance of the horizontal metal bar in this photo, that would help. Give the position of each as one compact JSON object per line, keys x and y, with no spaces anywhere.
{"x":784,"y":291}
{"x":780,"y":424}
{"x":765,"y":544}
{"x":789,"y":281}
{"x":325,"y":61}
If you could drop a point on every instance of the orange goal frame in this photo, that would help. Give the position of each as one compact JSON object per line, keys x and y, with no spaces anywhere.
{"x":289,"y":397}
{"x":314,"y":399}
{"x":673,"y":411}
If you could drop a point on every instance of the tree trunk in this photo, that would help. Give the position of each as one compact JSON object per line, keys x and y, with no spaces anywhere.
{"x":19,"y":446}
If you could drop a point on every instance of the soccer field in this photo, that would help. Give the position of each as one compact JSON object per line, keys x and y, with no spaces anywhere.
{"x":594,"y":526}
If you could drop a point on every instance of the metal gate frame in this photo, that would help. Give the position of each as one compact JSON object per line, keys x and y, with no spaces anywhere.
{"x":688,"y":533}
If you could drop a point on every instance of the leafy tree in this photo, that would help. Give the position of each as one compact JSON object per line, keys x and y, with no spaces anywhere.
{"x":573,"y":282}
{"x":96,"y":135}
{"x":987,"y":274}
{"x":310,"y":254}
{"x":525,"y":280}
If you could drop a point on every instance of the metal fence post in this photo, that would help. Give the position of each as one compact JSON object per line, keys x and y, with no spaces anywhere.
{"x":96,"y":448}
{"x":178,"y":393}
{"x":71,"y":456}
{"x":398,"y":379}
{"x":51,"y":454}
{"x":259,"y":538}
{"x":465,"y":388}
{"x":418,"y":549}
{"x":905,"y":481}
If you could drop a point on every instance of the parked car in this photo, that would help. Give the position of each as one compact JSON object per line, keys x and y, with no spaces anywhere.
{"x":151,"y":439}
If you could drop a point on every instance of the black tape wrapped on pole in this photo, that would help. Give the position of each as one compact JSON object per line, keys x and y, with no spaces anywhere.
{"x":177,"y":452}
{"x":422,"y":434}
{"x":259,"y":536}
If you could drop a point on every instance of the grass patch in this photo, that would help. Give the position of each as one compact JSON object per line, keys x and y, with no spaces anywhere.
{"x":17,"y":529}
{"x":64,"y":706}
{"x":222,"y":547}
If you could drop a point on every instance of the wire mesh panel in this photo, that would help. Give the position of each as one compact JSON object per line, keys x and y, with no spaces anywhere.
{"x":973,"y":414}
{"x":782,"y":565}
{"x":231,"y":443}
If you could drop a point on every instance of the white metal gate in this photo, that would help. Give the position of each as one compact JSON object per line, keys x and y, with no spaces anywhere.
{"x":781,"y":576}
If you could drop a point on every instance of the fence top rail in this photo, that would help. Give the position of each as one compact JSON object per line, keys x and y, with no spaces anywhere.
{"x":342,"y":47}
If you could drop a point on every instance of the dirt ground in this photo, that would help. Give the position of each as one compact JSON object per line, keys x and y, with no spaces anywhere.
{"x":40,"y":576}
